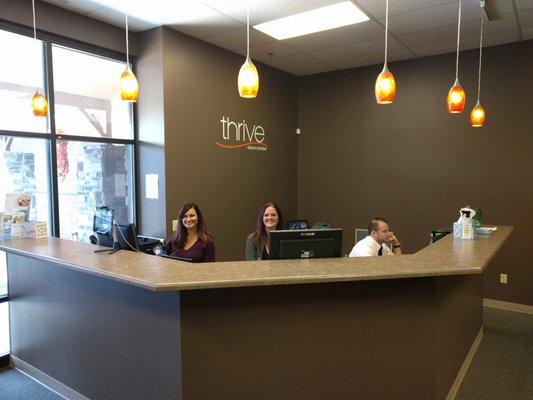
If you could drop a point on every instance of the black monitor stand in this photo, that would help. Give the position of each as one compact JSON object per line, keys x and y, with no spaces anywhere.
{"x":116,"y":245}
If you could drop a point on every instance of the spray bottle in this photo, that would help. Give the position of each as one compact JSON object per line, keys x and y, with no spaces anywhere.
{"x":463,"y":228}
{"x":467,"y":229}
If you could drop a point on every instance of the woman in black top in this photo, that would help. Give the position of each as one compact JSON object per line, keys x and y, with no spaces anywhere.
{"x":269,"y":219}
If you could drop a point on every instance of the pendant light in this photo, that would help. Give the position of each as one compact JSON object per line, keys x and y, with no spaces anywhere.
{"x":385,"y":88}
{"x":129,"y":87}
{"x":248,"y":80}
{"x":477,"y":115}
{"x":39,"y":104}
{"x":456,"y":99}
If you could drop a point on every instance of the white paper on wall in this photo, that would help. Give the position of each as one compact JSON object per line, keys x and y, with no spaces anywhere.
{"x":152,"y":186}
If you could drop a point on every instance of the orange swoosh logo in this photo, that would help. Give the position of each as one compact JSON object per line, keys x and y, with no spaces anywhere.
{"x":235,"y":146}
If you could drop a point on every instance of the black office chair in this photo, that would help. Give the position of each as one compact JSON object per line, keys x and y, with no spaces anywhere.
{"x":360,"y":234}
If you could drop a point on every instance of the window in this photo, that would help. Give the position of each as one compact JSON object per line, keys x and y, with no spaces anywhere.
{"x":92,"y":175}
{"x":87,"y":96}
{"x":87,"y":104}
{"x":21,"y":73}
{"x":24,"y":168}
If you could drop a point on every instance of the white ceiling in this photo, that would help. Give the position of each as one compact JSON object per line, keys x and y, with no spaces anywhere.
{"x":417,"y":28}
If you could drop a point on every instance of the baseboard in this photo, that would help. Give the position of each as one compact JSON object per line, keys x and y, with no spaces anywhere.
{"x":466,"y":364}
{"x":46,"y":380}
{"x":505,"y":305}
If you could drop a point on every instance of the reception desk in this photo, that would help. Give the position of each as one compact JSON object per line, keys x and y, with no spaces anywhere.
{"x":134,"y":326}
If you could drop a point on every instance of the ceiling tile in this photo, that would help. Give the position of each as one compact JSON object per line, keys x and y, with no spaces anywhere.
{"x":293,"y":60}
{"x":469,"y":29}
{"x":268,"y":51}
{"x":209,"y":24}
{"x":432,"y":17}
{"x":265,"y":10}
{"x":236,"y":40}
{"x":117,"y":18}
{"x":310,"y":69}
{"x":498,"y":7}
{"x":78,"y":6}
{"x":369,"y":47}
{"x":526,"y":18}
{"x":345,"y":35}
{"x":471,"y":43}
{"x":377,"y":8}
{"x":496,"y":39}
{"x":399,"y":55}
{"x":354,"y":62}
{"x":500,"y":23}
{"x":527,"y":33}
{"x":432,"y":49}
{"x":524,"y":4}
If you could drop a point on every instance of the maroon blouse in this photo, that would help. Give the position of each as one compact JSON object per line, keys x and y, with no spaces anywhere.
{"x":199,"y":251}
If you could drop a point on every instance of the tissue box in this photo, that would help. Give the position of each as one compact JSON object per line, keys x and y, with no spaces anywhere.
{"x":17,"y":219}
{"x":34,"y":229}
{"x":6,"y":225}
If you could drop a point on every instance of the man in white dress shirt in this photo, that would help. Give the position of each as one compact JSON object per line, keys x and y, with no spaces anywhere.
{"x":375,"y":244}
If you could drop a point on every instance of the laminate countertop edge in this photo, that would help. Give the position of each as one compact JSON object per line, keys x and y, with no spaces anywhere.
{"x":446,"y":257}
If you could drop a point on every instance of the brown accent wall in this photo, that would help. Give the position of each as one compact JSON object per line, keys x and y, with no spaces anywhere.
{"x":415,"y":164}
{"x":230,"y":185}
{"x":60,"y":21}
{"x":151,"y":132}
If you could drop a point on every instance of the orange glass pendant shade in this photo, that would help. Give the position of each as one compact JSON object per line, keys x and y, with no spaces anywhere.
{"x":39,"y":104}
{"x":248,"y":80}
{"x":385,"y":88}
{"x":477,"y":116}
{"x":456,"y":99}
{"x":129,"y":87}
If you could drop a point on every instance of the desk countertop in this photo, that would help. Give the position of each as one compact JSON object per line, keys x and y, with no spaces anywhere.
{"x":448,"y":256}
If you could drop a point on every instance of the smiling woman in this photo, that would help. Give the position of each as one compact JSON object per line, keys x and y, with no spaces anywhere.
{"x":190,"y":240}
{"x":269,"y":219}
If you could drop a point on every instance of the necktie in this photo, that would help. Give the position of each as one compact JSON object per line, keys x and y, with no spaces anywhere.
{"x":380,"y":252}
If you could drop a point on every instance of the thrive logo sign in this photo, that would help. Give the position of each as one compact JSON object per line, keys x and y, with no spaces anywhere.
{"x":238,"y":135}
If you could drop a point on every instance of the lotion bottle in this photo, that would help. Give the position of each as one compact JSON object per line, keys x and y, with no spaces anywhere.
{"x":467,"y":228}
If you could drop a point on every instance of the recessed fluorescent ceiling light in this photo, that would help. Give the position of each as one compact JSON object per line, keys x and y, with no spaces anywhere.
{"x":320,"y":19}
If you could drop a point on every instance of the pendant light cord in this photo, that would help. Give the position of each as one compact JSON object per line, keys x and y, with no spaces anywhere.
{"x":480,"y":53}
{"x":34,"y":29}
{"x":386,"y":29}
{"x":127,"y":43}
{"x":248,"y":32}
{"x":458,"y":37}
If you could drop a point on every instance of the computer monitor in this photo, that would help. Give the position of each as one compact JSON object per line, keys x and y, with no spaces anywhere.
{"x":103,"y":220}
{"x":297,"y":224}
{"x":127,"y":237}
{"x":123,"y":237}
{"x":306,"y":243}
{"x":102,"y":225}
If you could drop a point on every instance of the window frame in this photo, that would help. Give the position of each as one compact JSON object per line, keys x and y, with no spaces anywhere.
{"x":49,"y":40}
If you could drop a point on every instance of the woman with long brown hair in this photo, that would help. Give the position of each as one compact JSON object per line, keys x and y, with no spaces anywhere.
{"x":191,"y":240}
{"x":269,"y":219}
